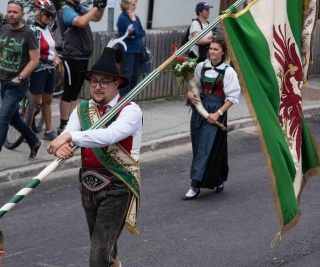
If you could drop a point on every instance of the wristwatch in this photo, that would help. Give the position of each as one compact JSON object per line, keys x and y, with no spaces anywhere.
{"x":220,"y":112}
{"x":20,"y":77}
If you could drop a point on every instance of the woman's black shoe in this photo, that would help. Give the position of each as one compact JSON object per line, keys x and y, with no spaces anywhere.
{"x":191,"y":197}
{"x":220,"y":188}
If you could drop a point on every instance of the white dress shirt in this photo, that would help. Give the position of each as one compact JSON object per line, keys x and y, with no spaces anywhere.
{"x":128,"y":123}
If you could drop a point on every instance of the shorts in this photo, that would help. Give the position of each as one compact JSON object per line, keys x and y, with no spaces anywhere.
{"x":42,"y":81}
{"x":73,"y":78}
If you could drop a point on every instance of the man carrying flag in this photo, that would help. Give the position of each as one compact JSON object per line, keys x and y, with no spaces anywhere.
{"x":270,"y":46}
{"x":110,"y":172}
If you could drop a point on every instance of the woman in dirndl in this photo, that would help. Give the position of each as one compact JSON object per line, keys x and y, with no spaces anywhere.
{"x":219,"y":90}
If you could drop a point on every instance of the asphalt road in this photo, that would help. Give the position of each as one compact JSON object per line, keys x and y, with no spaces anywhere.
{"x":234,"y":228}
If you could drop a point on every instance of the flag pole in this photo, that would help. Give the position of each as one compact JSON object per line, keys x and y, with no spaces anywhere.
{"x":107,"y":117}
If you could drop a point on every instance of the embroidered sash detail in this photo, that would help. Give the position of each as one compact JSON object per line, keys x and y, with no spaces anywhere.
{"x":116,"y":160}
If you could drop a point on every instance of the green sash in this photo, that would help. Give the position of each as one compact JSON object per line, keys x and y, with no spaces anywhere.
{"x":116,"y":160}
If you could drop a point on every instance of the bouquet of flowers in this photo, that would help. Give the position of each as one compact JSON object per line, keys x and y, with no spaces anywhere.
{"x":183,"y":66}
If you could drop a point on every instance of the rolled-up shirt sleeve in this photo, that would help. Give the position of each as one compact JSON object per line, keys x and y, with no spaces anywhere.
{"x":128,"y":123}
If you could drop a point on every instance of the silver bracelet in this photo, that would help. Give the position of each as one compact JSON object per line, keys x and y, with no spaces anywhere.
{"x":220,"y":112}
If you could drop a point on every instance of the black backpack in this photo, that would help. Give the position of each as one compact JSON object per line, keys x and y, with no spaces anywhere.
{"x":185,"y":38}
{"x":59,"y":29}
{"x":203,"y":49}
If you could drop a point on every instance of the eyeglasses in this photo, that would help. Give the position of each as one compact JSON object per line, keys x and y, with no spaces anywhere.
{"x":18,"y":2}
{"x":48,"y":15}
{"x":104,"y":84}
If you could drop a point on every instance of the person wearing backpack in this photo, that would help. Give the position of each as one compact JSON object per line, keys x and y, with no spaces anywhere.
{"x":200,"y":49}
{"x":220,"y":89}
{"x":76,"y":51}
{"x":42,"y":79}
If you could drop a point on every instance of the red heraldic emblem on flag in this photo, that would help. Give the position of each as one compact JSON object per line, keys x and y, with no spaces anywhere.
{"x":290,"y":75}
{"x":270,"y":44}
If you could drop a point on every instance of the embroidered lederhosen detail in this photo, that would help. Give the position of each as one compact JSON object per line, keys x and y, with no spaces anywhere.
{"x":94,"y":181}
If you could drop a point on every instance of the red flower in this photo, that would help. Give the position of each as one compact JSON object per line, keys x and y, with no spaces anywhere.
{"x":174,"y":47}
{"x":181,"y":59}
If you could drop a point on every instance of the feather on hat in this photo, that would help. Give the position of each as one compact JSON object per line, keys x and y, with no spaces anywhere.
{"x":107,"y":62}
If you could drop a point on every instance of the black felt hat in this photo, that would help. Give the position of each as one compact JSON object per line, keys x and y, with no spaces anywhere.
{"x":107,"y":64}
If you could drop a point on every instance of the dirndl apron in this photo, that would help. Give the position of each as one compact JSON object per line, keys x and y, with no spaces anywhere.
{"x":209,"y":146}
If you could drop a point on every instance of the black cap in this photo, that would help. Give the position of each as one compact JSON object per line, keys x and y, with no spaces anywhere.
{"x":202,"y":5}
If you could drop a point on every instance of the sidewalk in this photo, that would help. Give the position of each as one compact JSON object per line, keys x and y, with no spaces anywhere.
{"x":166,"y":122}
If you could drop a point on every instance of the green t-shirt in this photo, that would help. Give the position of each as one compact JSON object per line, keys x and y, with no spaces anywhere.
{"x":14,"y":50}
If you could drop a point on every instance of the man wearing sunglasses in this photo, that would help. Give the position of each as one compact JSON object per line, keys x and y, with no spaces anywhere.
{"x":110,"y":173}
{"x":19,"y":56}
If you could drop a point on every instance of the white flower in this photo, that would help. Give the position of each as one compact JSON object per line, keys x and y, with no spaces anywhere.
{"x":183,"y":65}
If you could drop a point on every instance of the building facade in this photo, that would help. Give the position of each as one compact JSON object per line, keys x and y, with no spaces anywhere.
{"x":165,"y":14}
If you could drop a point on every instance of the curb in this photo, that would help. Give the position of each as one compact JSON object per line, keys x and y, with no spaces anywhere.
{"x":33,"y":170}
{"x":178,"y":139}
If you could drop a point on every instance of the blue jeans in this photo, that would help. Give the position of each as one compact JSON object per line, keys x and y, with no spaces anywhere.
{"x":106,"y":211}
{"x":11,"y":94}
{"x":131,"y":70}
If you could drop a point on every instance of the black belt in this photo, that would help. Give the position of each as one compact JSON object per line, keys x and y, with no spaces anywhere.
{"x":46,"y":61}
{"x":97,"y":179}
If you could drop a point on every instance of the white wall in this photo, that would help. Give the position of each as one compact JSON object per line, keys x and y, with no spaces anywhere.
{"x":166,"y":13}
{"x":169,"y":13}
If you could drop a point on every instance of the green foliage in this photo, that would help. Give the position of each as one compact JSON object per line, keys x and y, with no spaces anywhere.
{"x":57,"y":4}
{"x":29,"y":5}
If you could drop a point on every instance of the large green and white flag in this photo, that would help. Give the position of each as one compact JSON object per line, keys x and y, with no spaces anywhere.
{"x":269,"y":42}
